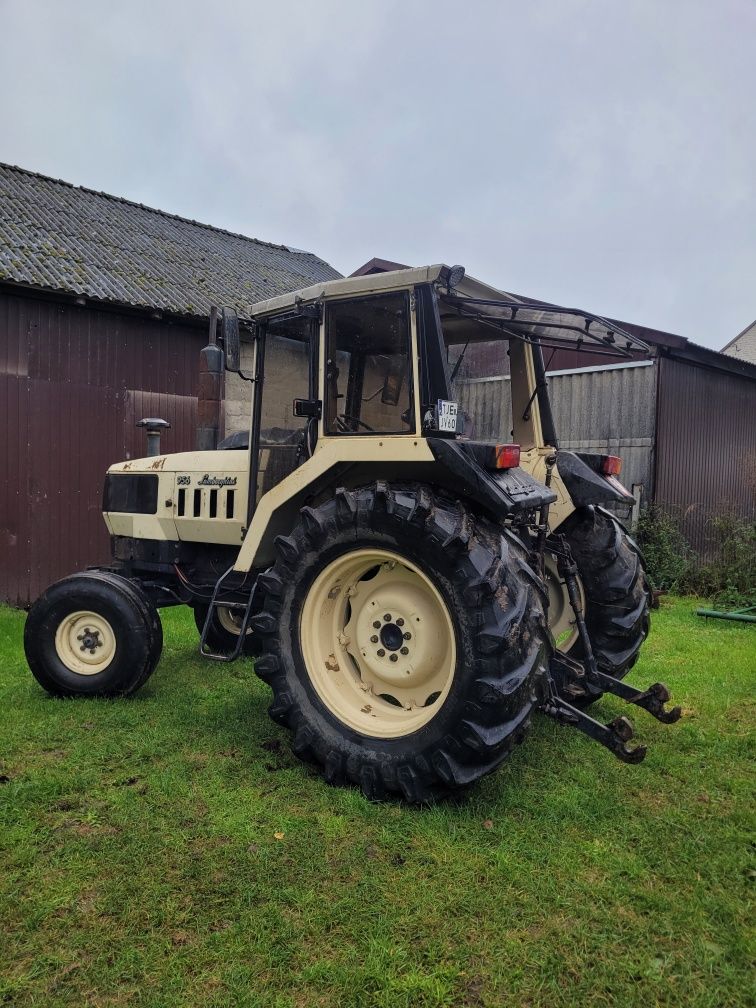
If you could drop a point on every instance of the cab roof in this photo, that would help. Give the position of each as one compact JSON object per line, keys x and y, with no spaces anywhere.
{"x":472,"y":311}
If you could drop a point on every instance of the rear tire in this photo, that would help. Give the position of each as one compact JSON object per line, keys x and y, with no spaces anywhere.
{"x":92,"y":634}
{"x":466,"y":679}
{"x":617,"y":597}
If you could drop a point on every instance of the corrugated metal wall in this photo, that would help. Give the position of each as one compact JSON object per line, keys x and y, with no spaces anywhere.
{"x":609,"y":411}
{"x":73,"y":383}
{"x":706,"y":447}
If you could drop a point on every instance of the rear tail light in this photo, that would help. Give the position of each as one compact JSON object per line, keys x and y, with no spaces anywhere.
{"x":611,"y":465}
{"x":506,"y":456}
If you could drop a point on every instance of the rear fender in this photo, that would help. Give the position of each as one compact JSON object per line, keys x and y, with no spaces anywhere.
{"x":502,"y":492}
{"x":585,"y":484}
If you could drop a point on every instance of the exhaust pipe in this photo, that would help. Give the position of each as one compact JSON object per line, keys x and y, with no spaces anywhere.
{"x":211,"y":389}
{"x":154,"y":427}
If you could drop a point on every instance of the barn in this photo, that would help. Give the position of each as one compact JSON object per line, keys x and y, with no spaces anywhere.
{"x":103,"y":311}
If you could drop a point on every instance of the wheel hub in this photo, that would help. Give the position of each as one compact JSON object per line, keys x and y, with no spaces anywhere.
{"x":85,"y":642}
{"x":90,"y":640}
{"x":378,"y":643}
{"x":392,"y":637}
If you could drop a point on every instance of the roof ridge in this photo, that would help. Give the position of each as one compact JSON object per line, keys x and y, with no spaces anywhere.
{"x":735,"y":338}
{"x":156,"y":210}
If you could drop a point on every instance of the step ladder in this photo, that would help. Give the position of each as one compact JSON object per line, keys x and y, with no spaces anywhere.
{"x":215,"y":603}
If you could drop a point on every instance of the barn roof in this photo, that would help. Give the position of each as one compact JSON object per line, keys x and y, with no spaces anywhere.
{"x":59,"y":237}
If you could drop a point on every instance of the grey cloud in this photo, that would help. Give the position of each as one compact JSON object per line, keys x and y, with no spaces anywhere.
{"x":596,"y":153}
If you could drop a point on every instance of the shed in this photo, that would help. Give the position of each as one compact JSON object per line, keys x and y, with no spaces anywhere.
{"x":103,"y":311}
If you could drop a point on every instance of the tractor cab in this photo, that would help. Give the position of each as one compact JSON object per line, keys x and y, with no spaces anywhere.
{"x":356,"y":375}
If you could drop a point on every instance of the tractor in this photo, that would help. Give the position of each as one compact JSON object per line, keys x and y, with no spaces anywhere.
{"x":411,"y":595}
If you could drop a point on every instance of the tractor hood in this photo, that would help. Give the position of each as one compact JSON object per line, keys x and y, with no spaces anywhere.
{"x":188,"y":462}
{"x":196,"y":496}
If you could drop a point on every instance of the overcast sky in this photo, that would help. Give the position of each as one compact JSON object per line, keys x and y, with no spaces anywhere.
{"x":595,"y":153}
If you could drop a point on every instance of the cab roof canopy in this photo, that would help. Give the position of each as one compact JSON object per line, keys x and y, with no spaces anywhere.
{"x":472,"y":311}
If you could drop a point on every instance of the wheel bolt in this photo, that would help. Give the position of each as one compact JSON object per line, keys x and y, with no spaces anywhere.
{"x":408,"y":636}
{"x":405,"y":650}
{"x":394,"y":658}
{"x":377,"y":624}
{"x":400,"y":622}
{"x":387,"y":617}
{"x":380,"y":652}
{"x":374,"y":639}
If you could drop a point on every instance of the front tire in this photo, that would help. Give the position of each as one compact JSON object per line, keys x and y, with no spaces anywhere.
{"x":457,"y":607}
{"x":92,"y":634}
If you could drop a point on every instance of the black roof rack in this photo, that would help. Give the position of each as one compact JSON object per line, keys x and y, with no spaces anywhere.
{"x":549,"y":325}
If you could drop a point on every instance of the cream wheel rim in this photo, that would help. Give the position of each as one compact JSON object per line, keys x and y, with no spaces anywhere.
{"x":231,"y":620}
{"x":85,"y":643}
{"x":378,"y":643}
{"x":562,"y":622}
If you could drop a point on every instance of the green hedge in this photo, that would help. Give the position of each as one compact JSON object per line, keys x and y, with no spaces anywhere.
{"x":729,"y":579}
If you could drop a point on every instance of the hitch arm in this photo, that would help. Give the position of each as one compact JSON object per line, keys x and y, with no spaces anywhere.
{"x":613,"y":736}
{"x":651,"y":699}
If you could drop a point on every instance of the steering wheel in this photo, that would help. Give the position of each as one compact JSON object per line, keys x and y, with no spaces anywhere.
{"x":345,"y":419}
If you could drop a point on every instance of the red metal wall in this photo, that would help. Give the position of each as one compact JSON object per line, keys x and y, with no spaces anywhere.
{"x":73,"y":383}
{"x":705,"y":447}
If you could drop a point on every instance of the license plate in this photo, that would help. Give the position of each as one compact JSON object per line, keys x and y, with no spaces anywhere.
{"x":447,"y":416}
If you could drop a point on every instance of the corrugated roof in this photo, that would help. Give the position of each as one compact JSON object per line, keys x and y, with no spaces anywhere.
{"x":58,"y":236}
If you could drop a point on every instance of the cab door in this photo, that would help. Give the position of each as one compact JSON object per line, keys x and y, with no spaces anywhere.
{"x":286,"y":371}
{"x":368,"y":366}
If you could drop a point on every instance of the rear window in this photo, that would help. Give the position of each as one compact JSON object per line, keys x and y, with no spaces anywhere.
{"x":131,"y":493}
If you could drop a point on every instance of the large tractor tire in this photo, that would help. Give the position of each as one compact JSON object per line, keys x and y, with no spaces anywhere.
{"x":92,"y":634}
{"x":615,"y":594}
{"x":404,"y":639}
{"x":224,"y":629}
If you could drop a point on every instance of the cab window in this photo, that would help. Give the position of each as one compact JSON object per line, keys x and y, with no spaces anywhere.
{"x":283,"y":438}
{"x":368,"y":376}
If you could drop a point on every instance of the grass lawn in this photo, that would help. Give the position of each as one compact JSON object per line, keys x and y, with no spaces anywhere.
{"x":169,"y":850}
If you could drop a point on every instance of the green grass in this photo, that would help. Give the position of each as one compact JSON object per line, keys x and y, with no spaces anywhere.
{"x":140,"y":864}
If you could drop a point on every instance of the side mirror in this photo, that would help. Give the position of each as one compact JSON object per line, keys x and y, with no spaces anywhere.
{"x":230,"y":339}
{"x":393,"y":379}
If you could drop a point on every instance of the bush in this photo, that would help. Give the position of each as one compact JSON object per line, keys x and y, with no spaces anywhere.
{"x":729,"y":579}
{"x":669,"y":558}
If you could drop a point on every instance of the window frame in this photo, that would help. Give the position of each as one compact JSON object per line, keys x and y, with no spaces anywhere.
{"x":260,"y":337}
{"x":412,"y":366}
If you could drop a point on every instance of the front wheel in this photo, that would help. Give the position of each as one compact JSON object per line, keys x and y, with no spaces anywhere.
{"x":404,"y":639}
{"x":92,"y":634}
